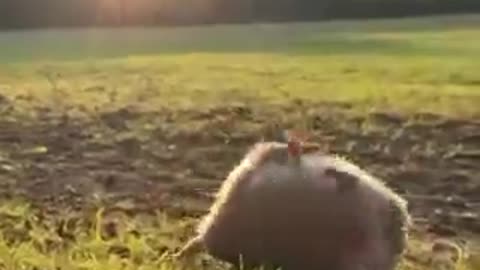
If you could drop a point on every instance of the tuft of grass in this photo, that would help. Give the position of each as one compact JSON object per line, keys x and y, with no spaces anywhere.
{"x":27,"y":242}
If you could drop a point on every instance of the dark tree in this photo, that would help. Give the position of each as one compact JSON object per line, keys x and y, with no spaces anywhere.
{"x":66,"y":13}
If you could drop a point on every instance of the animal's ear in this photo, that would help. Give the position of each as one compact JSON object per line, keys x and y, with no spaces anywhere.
{"x":311,"y":147}
{"x":298,"y":135}
{"x":345,"y":181}
{"x":294,"y":148}
{"x":295,"y":140}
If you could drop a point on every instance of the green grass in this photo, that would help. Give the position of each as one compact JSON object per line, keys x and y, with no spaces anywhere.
{"x":425,"y":64}
{"x":27,"y":243}
{"x":409,"y":65}
{"x":71,"y":242}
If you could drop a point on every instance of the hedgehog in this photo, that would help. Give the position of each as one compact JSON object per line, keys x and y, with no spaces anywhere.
{"x":290,"y":205}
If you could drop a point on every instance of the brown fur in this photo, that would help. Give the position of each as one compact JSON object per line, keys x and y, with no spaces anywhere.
{"x":294,"y":224}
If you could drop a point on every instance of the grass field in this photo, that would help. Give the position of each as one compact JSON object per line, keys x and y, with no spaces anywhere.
{"x":119,"y":119}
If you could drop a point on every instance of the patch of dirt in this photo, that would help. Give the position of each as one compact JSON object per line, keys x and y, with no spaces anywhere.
{"x":175,"y":160}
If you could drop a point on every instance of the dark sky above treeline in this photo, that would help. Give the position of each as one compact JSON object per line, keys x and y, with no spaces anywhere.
{"x":65,"y":13}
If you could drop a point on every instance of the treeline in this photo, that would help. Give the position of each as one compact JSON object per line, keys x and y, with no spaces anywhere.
{"x":66,"y":13}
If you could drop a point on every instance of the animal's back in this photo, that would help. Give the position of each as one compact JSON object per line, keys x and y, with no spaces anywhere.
{"x":297,"y":215}
{"x":306,"y":206}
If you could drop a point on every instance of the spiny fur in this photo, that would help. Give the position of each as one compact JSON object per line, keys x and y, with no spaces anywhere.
{"x":235,"y":183}
{"x":399,"y":216}
{"x":255,"y":157}
{"x":236,"y":178}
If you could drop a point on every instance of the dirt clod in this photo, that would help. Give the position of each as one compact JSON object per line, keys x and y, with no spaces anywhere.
{"x":54,"y":159}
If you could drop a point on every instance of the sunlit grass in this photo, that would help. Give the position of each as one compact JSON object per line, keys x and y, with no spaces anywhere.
{"x":27,"y":242}
{"x":409,"y":84}
{"x":406,"y":68}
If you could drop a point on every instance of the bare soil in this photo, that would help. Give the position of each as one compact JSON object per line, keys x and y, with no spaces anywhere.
{"x":174,"y":160}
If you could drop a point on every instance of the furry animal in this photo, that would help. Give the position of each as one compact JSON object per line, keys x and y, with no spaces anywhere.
{"x":302,"y":210}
